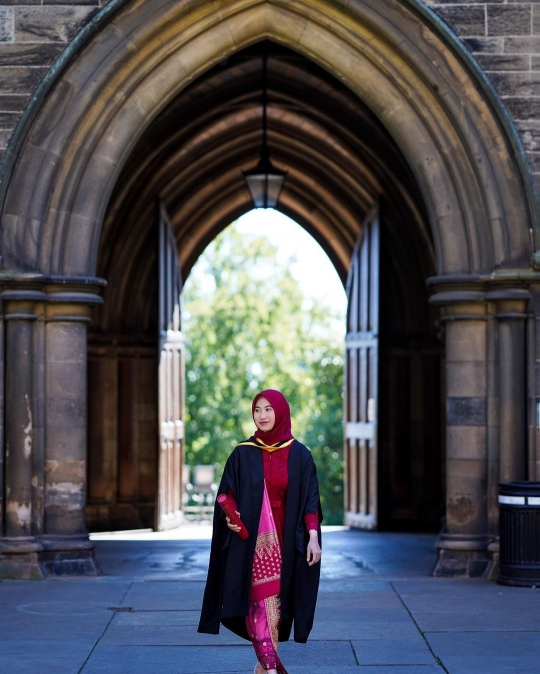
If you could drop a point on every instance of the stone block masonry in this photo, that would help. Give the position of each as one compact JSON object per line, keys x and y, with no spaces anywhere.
{"x":503,"y":36}
{"x":33,"y":33}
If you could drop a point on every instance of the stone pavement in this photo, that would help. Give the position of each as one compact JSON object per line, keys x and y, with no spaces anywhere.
{"x":379,"y":612}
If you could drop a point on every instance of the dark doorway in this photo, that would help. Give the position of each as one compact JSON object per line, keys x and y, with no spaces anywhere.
{"x":394,"y":447}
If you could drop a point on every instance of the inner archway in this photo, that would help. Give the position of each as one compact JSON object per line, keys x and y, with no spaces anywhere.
{"x":263,"y":307}
{"x":340,"y":162}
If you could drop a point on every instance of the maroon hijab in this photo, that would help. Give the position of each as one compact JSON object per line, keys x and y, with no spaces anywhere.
{"x":282,"y":427}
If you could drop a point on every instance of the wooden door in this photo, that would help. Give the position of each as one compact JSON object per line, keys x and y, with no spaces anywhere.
{"x":361,"y":378}
{"x":171,"y":386}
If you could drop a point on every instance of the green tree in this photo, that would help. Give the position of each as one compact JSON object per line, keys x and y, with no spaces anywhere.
{"x":248,"y":326}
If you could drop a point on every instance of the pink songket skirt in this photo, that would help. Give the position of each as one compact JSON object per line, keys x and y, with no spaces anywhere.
{"x":264,"y":615}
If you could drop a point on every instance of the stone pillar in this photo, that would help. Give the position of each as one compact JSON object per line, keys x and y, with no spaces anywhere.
{"x":534,"y":383}
{"x":67,"y":548}
{"x":511,"y":316}
{"x":42,"y":529}
{"x":463,"y":545}
{"x":18,"y":546}
{"x":2,"y":416}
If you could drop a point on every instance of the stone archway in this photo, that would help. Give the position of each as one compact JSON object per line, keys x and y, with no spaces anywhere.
{"x":339,"y":162}
{"x":408,"y":71}
{"x":414,"y":78}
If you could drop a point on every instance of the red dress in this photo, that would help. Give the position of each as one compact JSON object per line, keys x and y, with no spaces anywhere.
{"x":276,"y":476}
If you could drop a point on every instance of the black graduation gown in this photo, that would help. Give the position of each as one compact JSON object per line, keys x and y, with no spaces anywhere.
{"x":226,"y":596}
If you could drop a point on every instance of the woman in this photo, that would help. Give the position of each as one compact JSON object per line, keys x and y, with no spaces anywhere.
{"x":259,"y":586}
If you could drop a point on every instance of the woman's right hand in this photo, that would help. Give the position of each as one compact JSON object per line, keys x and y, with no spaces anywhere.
{"x":233,"y":527}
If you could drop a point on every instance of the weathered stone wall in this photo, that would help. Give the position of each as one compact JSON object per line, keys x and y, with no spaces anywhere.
{"x":503,"y":35}
{"x":33,"y":33}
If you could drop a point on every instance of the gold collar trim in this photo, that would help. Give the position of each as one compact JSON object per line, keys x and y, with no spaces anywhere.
{"x":256,"y":442}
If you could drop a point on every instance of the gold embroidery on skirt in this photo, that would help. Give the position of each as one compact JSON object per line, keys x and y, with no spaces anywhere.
{"x":266,"y":544}
{"x":273,"y":616}
{"x":267,"y":559}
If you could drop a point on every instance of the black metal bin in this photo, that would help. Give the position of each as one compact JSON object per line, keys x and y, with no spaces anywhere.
{"x":519,"y":527}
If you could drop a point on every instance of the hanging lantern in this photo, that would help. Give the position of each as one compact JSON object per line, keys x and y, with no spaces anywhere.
{"x":265,"y":181}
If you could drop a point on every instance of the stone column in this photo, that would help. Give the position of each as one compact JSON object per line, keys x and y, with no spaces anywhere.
{"x":511,"y":315}
{"x":463,"y":545}
{"x":534,"y":383}
{"x":67,"y":548}
{"x":2,"y":416}
{"x":18,"y":546}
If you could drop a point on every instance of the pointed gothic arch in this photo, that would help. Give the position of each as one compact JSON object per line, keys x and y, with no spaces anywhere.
{"x":413,"y":76}
{"x":395,"y":56}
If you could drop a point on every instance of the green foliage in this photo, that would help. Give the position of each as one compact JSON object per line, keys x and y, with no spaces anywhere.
{"x":249,"y":327}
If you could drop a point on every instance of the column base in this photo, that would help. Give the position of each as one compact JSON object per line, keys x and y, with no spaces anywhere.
{"x":19,"y":559}
{"x":50,"y":557}
{"x":462,"y":557}
{"x":68,"y":556}
{"x":494,"y":550}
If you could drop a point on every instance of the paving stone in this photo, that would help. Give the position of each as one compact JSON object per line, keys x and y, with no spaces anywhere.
{"x":99,"y":591}
{"x":165,"y":634}
{"x":142,"y":560}
{"x":487,"y":664}
{"x":368,"y":669}
{"x":394,"y":650}
{"x":377,"y":604}
{"x":469,"y":605}
{"x":315,"y":657}
{"x":318,"y":653}
{"x":419,"y":669}
{"x":17,"y":627}
{"x":46,"y":656}
{"x":333,"y":586}
{"x":165,"y":596}
{"x":152,"y":618}
{"x":361,"y":623}
{"x":168,"y":660}
{"x":328,"y":629}
{"x":478,"y":644}
{"x":403,"y":555}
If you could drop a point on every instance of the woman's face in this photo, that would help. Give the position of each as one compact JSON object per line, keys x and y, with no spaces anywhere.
{"x":264,"y":415}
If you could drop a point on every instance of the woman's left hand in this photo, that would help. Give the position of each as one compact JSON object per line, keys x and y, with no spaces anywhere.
{"x":313,"y":549}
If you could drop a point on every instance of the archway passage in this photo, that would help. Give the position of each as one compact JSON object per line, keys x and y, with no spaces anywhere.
{"x":340,"y":162}
{"x":472,"y":188}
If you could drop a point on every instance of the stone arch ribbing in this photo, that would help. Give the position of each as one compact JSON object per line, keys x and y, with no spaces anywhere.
{"x":393,"y":55}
